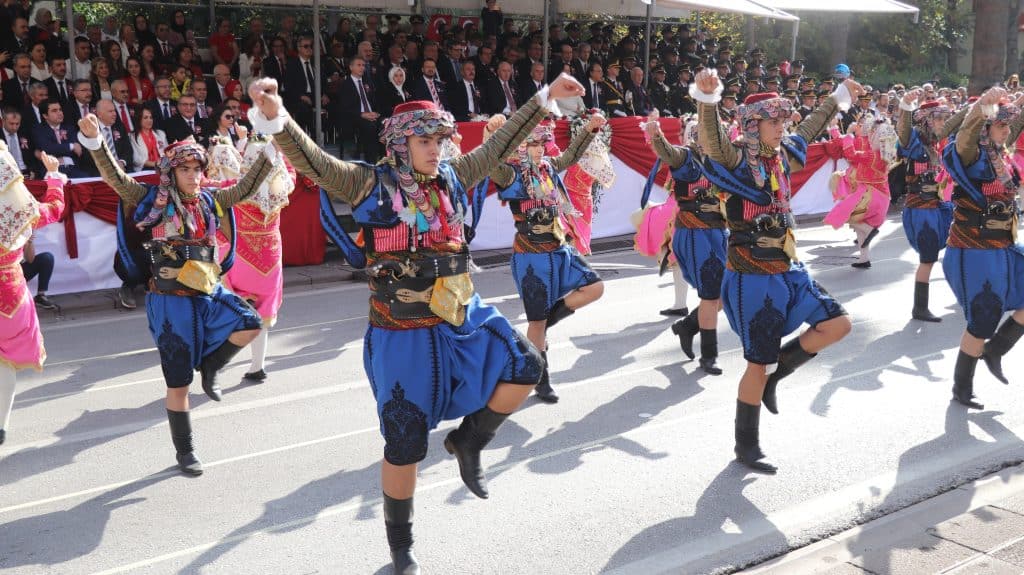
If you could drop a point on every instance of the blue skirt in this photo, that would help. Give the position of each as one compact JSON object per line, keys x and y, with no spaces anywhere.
{"x":544,"y":278}
{"x":987,"y":283}
{"x":927,"y":230}
{"x":421,"y":377}
{"x":700,"y":253}
{"x":188,"y":328}
{"x":764,"y":308}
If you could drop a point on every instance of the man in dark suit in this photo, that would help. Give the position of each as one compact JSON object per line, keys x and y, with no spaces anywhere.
{"x":185,"y":124}
{"x":561,"y":63}
{"x":357,"y":112}
{"x":502,"y":95}
{"x":31,"y":115}
{"x":464,"y":96}
{"x":596,"y":96}
{"x":276,"y":63}
{"x":58,"y":83}
{"x":114,"y":133}
{"x":636,"y":96}
{"x":615,"y":99}
{"x":162,"y":107}
{"x":524,"y":67}
{"x":58,"y":139}
{"x":17,"y":41}
{"x":428,"y":87}
{"x":300,"y":83}
{"x":80,"y":105}
{"x":16,"y":89}
{"x":531,"y":83}
{"x":485,"y":66}
{"x":448,"y":66}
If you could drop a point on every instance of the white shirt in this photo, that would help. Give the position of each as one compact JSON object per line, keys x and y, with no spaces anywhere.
{"x":14,"y":146}
{"x":40,"y":74}
{"x":302,"y":64}
{"x":81,"y":70}
{"x":470,"y":97}
{"x":124,"y":113}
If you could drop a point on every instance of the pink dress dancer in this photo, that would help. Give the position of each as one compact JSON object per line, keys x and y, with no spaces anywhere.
{"x":258,"y":273}
{"x":863,"y":190}
{"x":21,"y":342}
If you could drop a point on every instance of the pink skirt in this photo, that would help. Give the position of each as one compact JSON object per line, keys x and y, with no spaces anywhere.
{"x":877,"y":204}
{"x":655,"y":228}
{"x":257,"y":274}
{"x":21,"y":342}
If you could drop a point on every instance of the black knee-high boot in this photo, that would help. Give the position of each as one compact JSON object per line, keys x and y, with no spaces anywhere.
{"x":1004,"y":340}
{"x":181,"y":436}
{"x":398,"y":523}
{"x":212,"y":364}
{"x":709,"y":352}
{"x":921,"y":311}
{"x":543,"y":389}
{"x":466,"y":443}
{"x":686,"y":329}
{"x":748,"y":445}
{"x":791,"y":357}
{"x":963,"y":380}
{"x":558,"y":312}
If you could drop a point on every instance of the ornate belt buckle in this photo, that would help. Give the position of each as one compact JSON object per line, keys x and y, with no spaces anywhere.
{"x":767,"y":223}
{"x":997,"y":209}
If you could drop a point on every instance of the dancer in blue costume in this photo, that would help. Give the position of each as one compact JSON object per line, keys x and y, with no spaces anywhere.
{"x":983,"y":264}
{"x":551,"y":276}
{"x":197,"y":324}
{"x":433,"y":351}
{"x":698,"y":242}
{"x":927,"y":214}
{"x":767,"y":293}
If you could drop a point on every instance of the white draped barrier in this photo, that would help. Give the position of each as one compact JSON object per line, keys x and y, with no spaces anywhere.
{"x":97,"y":240}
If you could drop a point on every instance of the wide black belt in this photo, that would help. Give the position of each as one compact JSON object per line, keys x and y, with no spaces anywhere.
{"x":174,"y":254}
{"x":766,"y":240}
{"x":994,"y":224}
{"x":702,"y":204}
{"x":925,"y":186}
{"x":544,"y":216}
{"x":406,"y":286}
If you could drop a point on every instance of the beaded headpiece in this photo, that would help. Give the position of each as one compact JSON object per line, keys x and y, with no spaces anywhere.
{"x":757,"y":107}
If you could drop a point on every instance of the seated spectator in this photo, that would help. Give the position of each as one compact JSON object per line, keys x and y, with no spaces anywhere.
{"x":464,"y":96}
{"x":148,"y":143}
{"x":119,"y":91}
{"x":59,"y":139}
{"x":40,"y":69}
{"x":81,"y":105}
{"x":30,"y":113}
{"x":218,"y":90}
{"x":95,"y":35}
{"x":81,"y":64}
{"x":140,"y":88}
{"x":165,"y":55}
{"x":17,"y":41}
{"x":41,"y":264}
{"x":101,"y":79}
{"x":185,"y":56}
{"x":17,"y":144}
{"x":142,"y":32}
{"x":393,"y":93}
{"x":204,"y":107}
{"x":180,"y":34}
{"x":223,"y":48}
{"x":185,"y":124}
{"x":40,"y":31}
{"x":150,"y":67}
{"x":250,"y":62}
{"x":241,"y":110}
{"x":113,"y":132}
{"x":161,"y":105}
{"x":129,"y":43}
{"x":16,"y":88}
{"x":222,"y":123}
{"x":111,"y":29}
{"x":115,"y":57}
{"x":181,"y":82}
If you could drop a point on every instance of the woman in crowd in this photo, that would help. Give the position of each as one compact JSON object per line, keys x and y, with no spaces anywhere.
{"x":101,"y":79}
{"x":222,"y":125}
{"x":37,"y":56}
{"x":147,"y":143}
{"x":184,"y":55}
{"x":140,"y":88}
{"x":150,"y":67}
{"x":393,"y":94}
{"x":111,"y":50}
{"x":223,"y":47}
{"x":250,"y":62}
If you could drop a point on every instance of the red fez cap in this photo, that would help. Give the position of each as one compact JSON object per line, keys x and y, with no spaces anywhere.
{"x":414,"y":106}
{"x":932,"y":104}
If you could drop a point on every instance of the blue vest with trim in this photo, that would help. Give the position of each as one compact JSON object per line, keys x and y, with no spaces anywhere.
{"x":969,"y":178}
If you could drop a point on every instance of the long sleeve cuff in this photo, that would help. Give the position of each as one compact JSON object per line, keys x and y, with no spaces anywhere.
{"x":909,"y":107}
{"x":712,"y":98}
{"x":89,"y":143}
{"x":843,"y":97}
{"x":547,"y":102}
{"x":989,"y":111}
{"x":63,"y":179}
{"x":262,"y":125}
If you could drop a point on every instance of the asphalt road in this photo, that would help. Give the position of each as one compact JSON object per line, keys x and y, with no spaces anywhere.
{"x":631,"y":473}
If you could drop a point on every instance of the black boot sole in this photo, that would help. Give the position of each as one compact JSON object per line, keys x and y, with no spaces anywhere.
{"x":968,"y":402}
{"x":861,"y":265}
{"x":925,"y":316}
{"x":474,"y":486}
{"x":995,"y":367}
{"x":403,"y":562}
{"x":681,"y":312}
{"x":757,"y":465}
{"x":190,"y":465}
{"x":685,"y":339}
{"x":710,"y":367}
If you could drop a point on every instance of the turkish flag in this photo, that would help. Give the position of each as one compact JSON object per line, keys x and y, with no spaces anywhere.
{"x":439,"y":23}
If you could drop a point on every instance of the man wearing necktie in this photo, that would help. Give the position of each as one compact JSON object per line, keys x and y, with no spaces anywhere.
{"x":119,"y":92}
{"x":595,"y":97}
{"x":501,"y":92}
{"x":17,"y":144}
{"x":58,"y":139}
{"x":299,"y":85}
{"x":185,"y":124}
{"x":16,"y":89}
{"x":57,"y":83}
{"x":161,"y":106}
{"x":464,"y":95}
{"x":636,"y":96}
{"x":428,"y":87}
{"x":360,"y":120}
{"x":113,"y":133}
{"x":531,"y":83}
